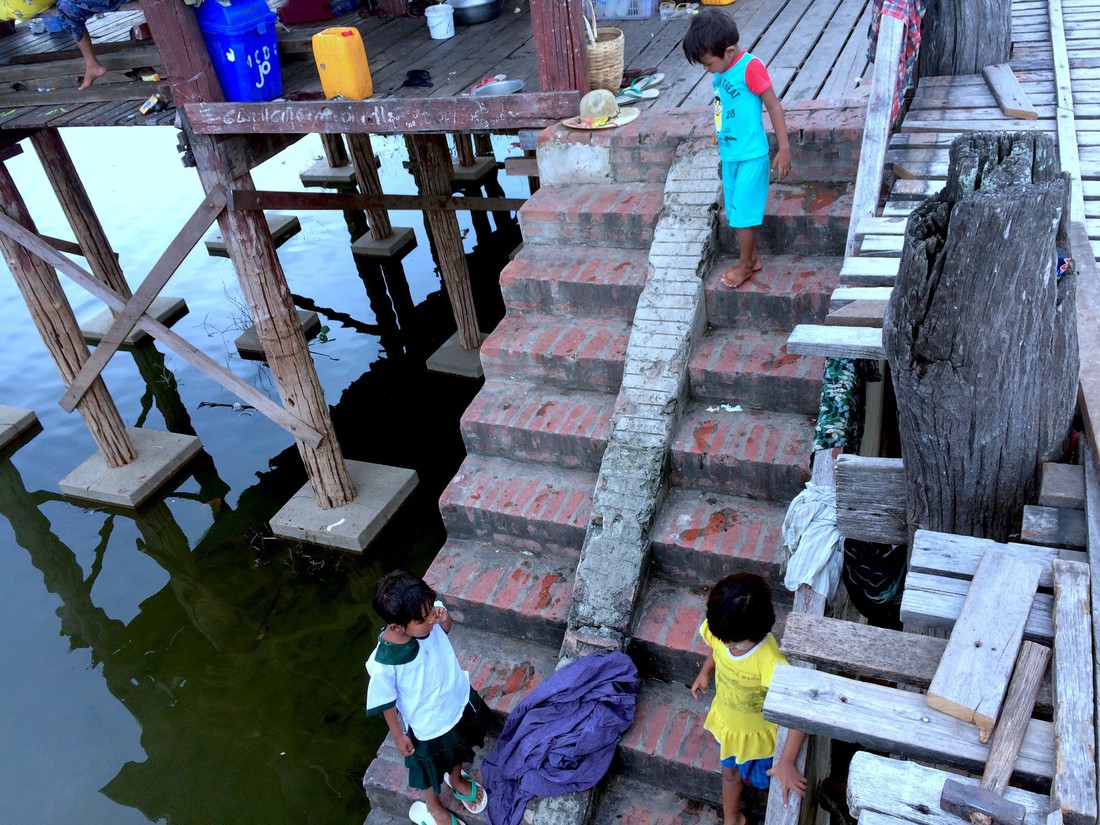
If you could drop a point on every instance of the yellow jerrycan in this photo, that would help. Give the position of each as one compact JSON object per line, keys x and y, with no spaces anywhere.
{"x":342,"y":63}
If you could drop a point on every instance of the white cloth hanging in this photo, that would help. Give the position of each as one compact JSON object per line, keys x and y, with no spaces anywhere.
{"x":812,"y":541}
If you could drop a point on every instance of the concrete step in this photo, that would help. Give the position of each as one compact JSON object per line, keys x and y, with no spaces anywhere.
{"x":537,"y":423}
{"x":789,"y":290}
{"x":755,"y":453}
{"x":567,"y":352}
{"x":571,"y":280}
{"x":752,"y":368}
{"x":523,"y":595}
{"x":517,"y":505}
{"x":701,"y":536}
{"x":805,"y":218}
{"x":633,"y":802}
{"x":587,"y":215}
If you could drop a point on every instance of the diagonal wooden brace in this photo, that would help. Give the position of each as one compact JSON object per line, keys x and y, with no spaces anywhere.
{"x":150,"y":288}
{"x":179,"y":345}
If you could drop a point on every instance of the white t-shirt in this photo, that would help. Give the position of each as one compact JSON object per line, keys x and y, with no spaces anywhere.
{"x":423,"y":679}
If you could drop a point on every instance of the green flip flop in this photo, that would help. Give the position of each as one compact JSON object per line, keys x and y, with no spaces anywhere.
{"x":469,"y":801}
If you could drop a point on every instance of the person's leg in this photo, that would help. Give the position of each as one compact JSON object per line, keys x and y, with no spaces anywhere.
{"x":435,"y":807}
{"x":463,"y":786}
{"x":746,"y":193}
{"x":73,"y":14}
{"x":732,"y":786}
{"x":93,"y":69}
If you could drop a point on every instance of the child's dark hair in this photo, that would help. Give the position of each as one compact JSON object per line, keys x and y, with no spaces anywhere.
{"x":739,"y":608}
{"x":401,"y":598}
{"x":711,"y":32}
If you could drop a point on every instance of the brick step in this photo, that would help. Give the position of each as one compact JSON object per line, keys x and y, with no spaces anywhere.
{"x":604,"y":214}
{"x":754,"y":453}
{"x":536,"y":423}
{"x":789,"y":290}
{"x":570,"y":280}
{"x":666,"y":644}
{"x":633,"y":802}
{"x":752,"y":368}
{"x":568,"y":352}
{"x":521,"y":506}
{"x":523,"y":595}
{"x":805,"y":218}
{"x":701,"y":536}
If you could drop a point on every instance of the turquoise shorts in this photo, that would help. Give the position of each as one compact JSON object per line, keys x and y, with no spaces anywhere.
{"x":745,"y":183}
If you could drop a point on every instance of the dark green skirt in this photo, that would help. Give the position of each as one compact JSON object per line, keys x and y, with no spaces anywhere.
{"x":435,"y":757}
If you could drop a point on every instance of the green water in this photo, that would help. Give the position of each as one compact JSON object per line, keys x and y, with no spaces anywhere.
{"x":175,"y":664}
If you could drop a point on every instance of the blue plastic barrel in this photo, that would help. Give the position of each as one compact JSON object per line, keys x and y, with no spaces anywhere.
{"x":241,"y":40}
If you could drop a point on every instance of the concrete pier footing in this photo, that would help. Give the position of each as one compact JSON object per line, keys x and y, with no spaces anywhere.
{"x":452,"y":359}
{"x":14,"y":424}
{"x":476,"y":173}
{"x":282,"y":227}
{"x":321,"y":175}
{"x":165,"y":309}
{"x":248,"y":342}
{"x":397,"y":245}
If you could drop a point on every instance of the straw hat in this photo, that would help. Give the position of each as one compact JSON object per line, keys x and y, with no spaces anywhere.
{"x":600,"y":111}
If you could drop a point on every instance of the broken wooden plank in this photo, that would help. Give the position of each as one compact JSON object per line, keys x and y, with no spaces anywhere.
{"x":912,"y":792}
{"x":869,"y":271}
{"x":1008,"y":92}
{"x":861,"y":313}
{"x":1062,"y":485}
{"x":947,"y":554}
{"x":844,"y":295}
{"x":894,"y":721}
{"x":1073,"y":791}
{"x":870,"y":499}
{"x":836,"y":342}
{"x":1054,"y":527}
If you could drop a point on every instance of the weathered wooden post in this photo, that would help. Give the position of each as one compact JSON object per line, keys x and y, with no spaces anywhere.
{"x":981,"y":336}
{"x":965,"y":36}
{"x":385,"y":241}
{"x":558,"y":28}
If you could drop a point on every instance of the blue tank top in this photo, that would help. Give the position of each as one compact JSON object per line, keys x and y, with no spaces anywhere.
{"x":738,"y":114}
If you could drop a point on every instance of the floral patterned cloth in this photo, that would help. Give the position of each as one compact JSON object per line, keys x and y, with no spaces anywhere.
{"x":840,"y":415}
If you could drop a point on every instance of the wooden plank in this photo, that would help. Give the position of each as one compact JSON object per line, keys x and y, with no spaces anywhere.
{"x":866,"y":652}
{"x":135,"y":56}
{"x":838,"y":342}
{"x":526,"y":167}
{"x":870,"y":499}
{"x":844,"y":295}
{"x":869,"y":271}
{"x":894,"y":721}
{"x":1092,"y":493}
{"x":1008,"y":93}
{"x":936,"y":601}
{"x":973,"y":675}
{"x":1054,"y":527}
{"x":385,"y":116}
{"x":946,"y":554}
{"x":242,"y":154}
{"x":911,"y":792}
{"x":1062,"y":485}
{"x":273,"y":201}
{"x":859,"y":313}
{"x":1073,"y":791}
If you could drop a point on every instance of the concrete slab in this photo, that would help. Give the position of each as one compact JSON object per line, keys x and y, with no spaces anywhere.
{"x":14,"y":424}
{"x":397,"y":245}
{"x":248,"y":342}
{"x":452,"y":359}
{"x":381,"y":491}
{"x":165,"y":309}
{"x":323,"y":176}
{"x":480,"y":170}
{"x":160,"y":456}
{"x":282,"y":228}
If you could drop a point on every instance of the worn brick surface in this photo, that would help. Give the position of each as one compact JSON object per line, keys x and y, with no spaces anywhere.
{"x":568,"y":352}
{"x":789,"y":290}
{"x":752,"y":453}
{"x":533,"y":422}
{"x":518,"y":505}
{"x":617,"y":215}
{"x":523,"y":594}
{"x":701,"y":536}
{"x":751,"y":368}
{"x":809,"y":218}
{"x":631,"y":802}
{"x":571,"y":280}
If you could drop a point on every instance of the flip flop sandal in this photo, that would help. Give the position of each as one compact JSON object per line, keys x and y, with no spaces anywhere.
{"x":418,"y":77}
{"x":469,"y":801}
{"x":646,"y":81}
{"x":631,"y":95}
{"x":420,"y":814}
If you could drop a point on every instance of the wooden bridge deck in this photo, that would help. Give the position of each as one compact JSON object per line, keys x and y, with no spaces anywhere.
{"x":816,"y":50}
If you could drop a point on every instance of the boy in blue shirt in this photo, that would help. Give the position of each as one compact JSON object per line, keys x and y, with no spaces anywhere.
{"x":742,"y":89}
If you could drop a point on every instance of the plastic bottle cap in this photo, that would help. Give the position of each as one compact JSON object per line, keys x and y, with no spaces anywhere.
{"x":345,"y":33}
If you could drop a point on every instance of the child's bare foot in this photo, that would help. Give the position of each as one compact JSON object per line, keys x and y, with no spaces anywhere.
{"x":737,"y":275}
{"x":741,"y":819}
{"x":91,"y":73}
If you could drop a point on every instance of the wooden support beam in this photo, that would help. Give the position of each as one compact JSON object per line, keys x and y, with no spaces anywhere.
{"x":464,"y":148}
{"x":150,"y":288}
{"x":389,"y":116}
{"x":366,"y":175}
{"x":935,"y":602}
{"x":870,"y":499}
{"x":53,"y":316}
{"x":335,"y":152}
{"x":243,"y":153}
{"x":947,"y":554}
{"x":562,"y":58}
{"x":275,"y":201}
{"x":1074,"y":789}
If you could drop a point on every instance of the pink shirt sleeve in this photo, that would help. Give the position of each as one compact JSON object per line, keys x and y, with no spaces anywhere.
{"x":757,"y":78}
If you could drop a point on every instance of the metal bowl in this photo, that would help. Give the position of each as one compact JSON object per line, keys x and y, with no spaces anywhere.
{"x":469,"y":12}
{"x":499,"y":87}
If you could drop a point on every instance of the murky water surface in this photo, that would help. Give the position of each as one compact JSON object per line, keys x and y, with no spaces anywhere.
{"x":175,"y":665}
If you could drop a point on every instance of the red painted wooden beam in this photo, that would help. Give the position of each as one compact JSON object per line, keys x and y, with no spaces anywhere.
{"x":558,"y":28}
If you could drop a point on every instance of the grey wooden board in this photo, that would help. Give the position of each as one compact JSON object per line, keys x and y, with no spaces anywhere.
{"x":1092,"y":510}
{"x":870,"y":499}
{"x":911,"y":792}
{"x":14,"y":422}
{"x":1062,"y":485}
{"x":894,"y":721}
{"x":875,"y":818}
{"x":973,"y":675}
{"x":1054,"y":527}
{"x":1073,"y":791}
{"x":869,"y":271}
{"x":946,"y":554}
{"x":935,"y":602}
{"x":838,"y":342}
{"x":844,"y":295}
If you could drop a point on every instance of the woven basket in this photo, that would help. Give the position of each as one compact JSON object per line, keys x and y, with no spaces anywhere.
{"x":605,"y":55}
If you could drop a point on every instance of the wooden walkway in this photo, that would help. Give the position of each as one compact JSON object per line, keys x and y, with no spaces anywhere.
{"x":815,"y":49}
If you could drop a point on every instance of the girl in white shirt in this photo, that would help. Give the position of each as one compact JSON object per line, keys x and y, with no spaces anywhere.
{"x":414,"y":671}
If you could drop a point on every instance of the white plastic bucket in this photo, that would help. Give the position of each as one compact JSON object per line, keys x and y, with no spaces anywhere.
{"x":441,"y":21}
